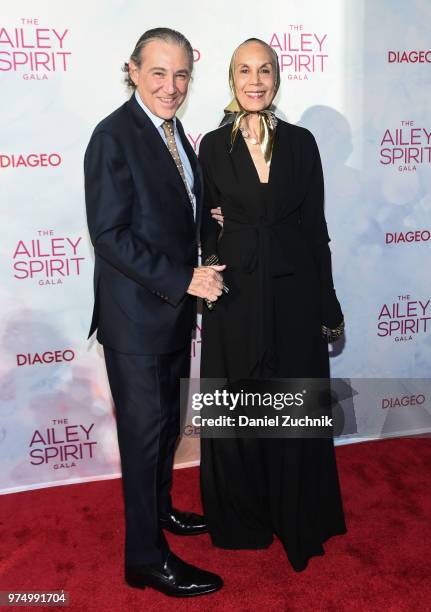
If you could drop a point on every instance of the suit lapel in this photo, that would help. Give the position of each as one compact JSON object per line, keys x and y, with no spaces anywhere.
{"x":197,"y":174}
{"x":245,"y":175}
{"x":286,"y":182}
{"x":286,"y":186}
{"x":159,"y":152}
{"x":281,"y":170}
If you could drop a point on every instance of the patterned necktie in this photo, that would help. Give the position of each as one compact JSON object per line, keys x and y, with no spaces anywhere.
{"x":168,"y":128}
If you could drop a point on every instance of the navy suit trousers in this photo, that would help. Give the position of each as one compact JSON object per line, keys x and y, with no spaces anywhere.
{"x":146,"y":394}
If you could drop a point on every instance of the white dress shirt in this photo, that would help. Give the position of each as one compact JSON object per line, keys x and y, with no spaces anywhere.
{"x":158,"y":121}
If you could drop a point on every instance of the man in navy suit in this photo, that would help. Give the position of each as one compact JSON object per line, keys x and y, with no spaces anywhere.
{"x":143,"y":196}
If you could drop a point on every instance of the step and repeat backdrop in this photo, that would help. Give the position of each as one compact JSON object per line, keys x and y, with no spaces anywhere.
{"x":357,"y":74}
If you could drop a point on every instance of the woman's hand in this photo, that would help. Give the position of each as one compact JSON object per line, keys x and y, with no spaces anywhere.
{"x":217,"y":215}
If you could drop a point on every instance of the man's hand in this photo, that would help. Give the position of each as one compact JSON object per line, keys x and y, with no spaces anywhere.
{"x":207,"y":282}
{"x":217,"y":214}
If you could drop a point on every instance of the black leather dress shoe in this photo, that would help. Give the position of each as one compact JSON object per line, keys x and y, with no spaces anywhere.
{"x":174,"y":577}
{"x":183,"y":523}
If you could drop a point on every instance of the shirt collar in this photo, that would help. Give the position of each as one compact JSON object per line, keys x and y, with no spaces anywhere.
{"x":157,"y":121}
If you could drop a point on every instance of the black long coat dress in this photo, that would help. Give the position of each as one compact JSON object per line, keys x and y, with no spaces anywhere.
{"x":275,"y":246}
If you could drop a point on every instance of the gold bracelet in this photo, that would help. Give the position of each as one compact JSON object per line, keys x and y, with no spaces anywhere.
{"x":332,"y":334}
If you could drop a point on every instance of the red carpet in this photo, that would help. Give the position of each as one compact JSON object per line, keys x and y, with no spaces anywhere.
{"x":71,"y":537}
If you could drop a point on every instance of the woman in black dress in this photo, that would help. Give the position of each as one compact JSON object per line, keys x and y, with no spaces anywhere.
{"x":266,"y":176}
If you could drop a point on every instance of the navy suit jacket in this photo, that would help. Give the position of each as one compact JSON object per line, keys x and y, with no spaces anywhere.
{"x":144,"y":235}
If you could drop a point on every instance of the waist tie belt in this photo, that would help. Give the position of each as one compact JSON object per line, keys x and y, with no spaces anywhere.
{"x":267,"y":259}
